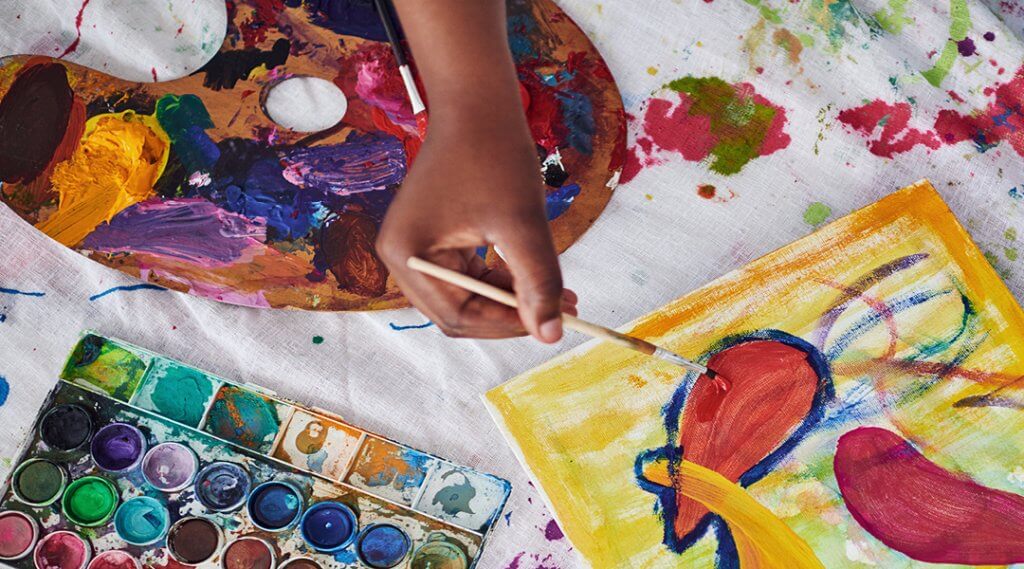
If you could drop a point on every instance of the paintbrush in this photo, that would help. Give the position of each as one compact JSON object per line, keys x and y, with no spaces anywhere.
{"x":419,"y":110}
{"x":568,"y":320}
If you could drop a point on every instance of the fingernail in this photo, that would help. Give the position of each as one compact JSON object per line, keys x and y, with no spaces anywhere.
{"x":551,"y":331}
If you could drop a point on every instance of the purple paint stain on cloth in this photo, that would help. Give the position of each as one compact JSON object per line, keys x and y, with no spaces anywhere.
{"x":966,"y":47}
{"x":552,"y":532}
{"x":990,"y":36}
{"x":193,"y":230}
{"x":363,"y":163}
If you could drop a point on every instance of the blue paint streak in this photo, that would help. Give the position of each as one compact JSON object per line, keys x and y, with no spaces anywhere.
{"x":21,"y":292}
{"x":1017,"y":194}
{"x":398,"y":328}
{"x":558,"y":201}
{"x":519,"y":29}
{"x":5,"y":390}
{"x":144,"y":286}
{"x":865,"y":324}
{"x":578,"y":114}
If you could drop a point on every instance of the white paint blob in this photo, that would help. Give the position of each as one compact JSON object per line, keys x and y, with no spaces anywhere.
{"x":306,"y":104}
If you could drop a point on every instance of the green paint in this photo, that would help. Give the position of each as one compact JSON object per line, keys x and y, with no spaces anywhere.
{"x":177,"y":392}
{"x":893,"y":18}
{"x":244,"y":417}
{"x":767,"y":12}
{"x":180,"y":116}
{"x":318,"y":339}
{"x":806,"y":39}
{"x":738,"y":122}
{"x":39,"y":482}
{"x":90,"y":501}
{"x":1010,"y":234}
{"x":960,"y":24}
{"x":817,"y":213}
{"x":101,"y":363}
{"x":1010,"y":253}
{"x":832,"y":16}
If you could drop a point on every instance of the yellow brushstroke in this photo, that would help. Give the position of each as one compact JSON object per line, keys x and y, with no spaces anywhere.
{"x":120,"y":158}
{"x":762,"y":539}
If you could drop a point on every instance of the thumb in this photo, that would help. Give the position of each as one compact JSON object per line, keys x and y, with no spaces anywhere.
{"x":530,"y":254}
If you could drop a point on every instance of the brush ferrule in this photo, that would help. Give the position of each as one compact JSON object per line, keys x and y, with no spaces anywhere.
{"x":679,"y":360}
{"x":414,"y":92}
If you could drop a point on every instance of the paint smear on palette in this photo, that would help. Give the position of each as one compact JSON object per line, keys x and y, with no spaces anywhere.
{"x":177,"y":392}
{"x":923,"y":510}
{"x":466,"y":498}
{"x":707,"y":119}
{"x":318,"y":444}
{"x":102,"y":364}
{"x":886,"y":125}
{"x":191,"y":186}
{"x":245,"y":417}
{"x":390,"y":471}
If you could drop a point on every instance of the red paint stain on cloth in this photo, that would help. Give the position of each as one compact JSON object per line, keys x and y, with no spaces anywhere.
{"x":78,"y":31}
{"x":886,"y":125}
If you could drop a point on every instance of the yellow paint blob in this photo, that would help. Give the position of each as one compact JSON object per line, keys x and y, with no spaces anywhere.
{"x":652,"y":70}
{"x":116,"y":164}
{"x":762,"y":539}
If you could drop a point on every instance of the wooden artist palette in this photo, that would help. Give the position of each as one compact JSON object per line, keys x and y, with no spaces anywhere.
{"x":189,"y":184}
{"x":224,"y":451}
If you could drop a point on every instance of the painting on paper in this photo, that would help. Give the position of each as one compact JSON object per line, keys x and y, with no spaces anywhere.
{"x":871,"y":415}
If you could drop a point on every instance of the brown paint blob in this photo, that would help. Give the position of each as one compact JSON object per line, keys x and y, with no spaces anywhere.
{"x":33,"y":118}
{"x":194,"y":540}
{"x":347,"y":242}
{"x":706,"y":191}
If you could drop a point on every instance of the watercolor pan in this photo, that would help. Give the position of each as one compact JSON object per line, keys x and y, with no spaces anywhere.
{"x":325,"y":459}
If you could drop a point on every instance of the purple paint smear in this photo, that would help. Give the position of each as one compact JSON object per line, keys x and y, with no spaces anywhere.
{"x":363,"y":163}
{"x":966,"y":47}
{"x":552,"y":532}
{"x":193,"y":230}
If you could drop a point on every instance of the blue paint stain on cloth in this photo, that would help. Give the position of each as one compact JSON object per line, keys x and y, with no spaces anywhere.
{"x":144,"y":286}
{"x":5,"y":390}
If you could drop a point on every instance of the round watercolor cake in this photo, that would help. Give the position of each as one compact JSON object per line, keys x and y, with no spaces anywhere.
{"x":188,"y":184}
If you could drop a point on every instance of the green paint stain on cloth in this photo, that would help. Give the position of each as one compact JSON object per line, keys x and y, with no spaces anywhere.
{"x":1010,"y":234}
{"x":767,"y":12}
{"x":318,"y":339}
{"x":100,"y":363}
{"x":817,"y":213}
{"x":742,"y":125}
{"x":178,"y":392}
{"x":960,"y":24}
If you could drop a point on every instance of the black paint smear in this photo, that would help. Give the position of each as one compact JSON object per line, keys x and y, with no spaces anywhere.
{"x":173,"y":179}
{"x":554,"y":175}
{"x":227,"y":68}
{"x":66,"y":427}
{"x":33,"y":117}
{"x":131,"y":100}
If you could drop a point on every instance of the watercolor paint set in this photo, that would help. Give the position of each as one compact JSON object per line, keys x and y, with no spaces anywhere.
{"x":138,"y":461}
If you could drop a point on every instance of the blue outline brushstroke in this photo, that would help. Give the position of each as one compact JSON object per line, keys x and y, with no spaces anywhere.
{"x":20,"y":292}
{"x":143,"y":286}
{"x":398,"y":328}
{"x":727,"y":557}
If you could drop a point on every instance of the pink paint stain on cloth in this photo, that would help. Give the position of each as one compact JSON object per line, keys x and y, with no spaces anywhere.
{"x":886,"y":125}
{"x":726,"y":125}
{"x":78,"y":31}
{"x":923,"y":510}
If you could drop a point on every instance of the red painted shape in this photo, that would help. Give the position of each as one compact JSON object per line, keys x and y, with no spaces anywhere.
{"x":923,"y":510}
{"x":771,"y":392}
{"x":78,"y":31}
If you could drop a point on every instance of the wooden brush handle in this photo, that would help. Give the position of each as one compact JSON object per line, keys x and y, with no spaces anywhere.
{"x":505,"y":297}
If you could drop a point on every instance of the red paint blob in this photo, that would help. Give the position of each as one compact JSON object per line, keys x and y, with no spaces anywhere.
{"x":893,"y":120}
{"x":772,"y":390}
{"x":706,"y":191}
{"x":923,"y":510}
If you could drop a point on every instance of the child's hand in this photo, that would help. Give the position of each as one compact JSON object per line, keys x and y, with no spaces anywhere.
{"x":476,"y":180}
{"x":475,"y":184}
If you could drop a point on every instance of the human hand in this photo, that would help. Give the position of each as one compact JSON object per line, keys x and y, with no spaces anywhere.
{"x":477,"y":182}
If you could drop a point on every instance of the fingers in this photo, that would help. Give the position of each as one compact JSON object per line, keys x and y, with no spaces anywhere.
{"x":530,"y":254}
{"x":456,"y":312}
